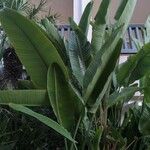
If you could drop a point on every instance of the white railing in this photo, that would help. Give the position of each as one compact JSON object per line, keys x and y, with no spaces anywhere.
{"x":135,"y":31}
{"x":64,"y":30}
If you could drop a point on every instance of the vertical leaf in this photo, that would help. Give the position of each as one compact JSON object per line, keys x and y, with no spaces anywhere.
{"x":124,"y":14}
{"x":75,"y":60}
{"x":33,"y":48}
{"x":60,"y":97}
{"x":146,"y":85}
{"x":82,"y":37}
{"x":99,"y":26}
{"x":55,"y":38}
{"x":102,"y":66}
{"x":120,"y":10}
{"x":85,"y":19}
{"x":144,"y":123}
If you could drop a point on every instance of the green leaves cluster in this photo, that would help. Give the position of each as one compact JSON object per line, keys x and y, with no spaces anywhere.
{"x":81,"y":80}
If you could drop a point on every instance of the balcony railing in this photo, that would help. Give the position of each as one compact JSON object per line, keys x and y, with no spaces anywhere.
{"x":135,"y":31}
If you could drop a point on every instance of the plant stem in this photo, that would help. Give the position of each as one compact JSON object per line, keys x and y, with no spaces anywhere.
{"x":105,"y":114}
{"x":130,"y":144}
{"x":75,"y":133}
{"x":66,"y":145}
{"x":83,"y":145}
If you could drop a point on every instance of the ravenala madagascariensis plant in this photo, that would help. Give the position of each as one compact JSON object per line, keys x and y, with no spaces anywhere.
{"x":13,"y":69}
{"x":81,"y":80}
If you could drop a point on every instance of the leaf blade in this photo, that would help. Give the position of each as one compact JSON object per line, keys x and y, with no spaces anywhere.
{"x":125,"y":95}
{"x":24,"y":97}
{"x":97,"y":68}
{"x":85,"y":19}
{"x":60,"y":96}
{"x":99,"y":26}
{"x":47,"y":121}
{"x":33,"y":48}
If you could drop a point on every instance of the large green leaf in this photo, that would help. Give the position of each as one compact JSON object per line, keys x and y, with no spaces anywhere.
{"x":98,"y":101}
{"x":34,"y":49}
{"x":24,"y":97}
{"x":102,"y":66}
{"x":120,"y":10}
{"x":124,"y":14}
{"x":84,"y":47}
{"x":107,"y":83}
{"x":146,"y":85}
{"x":125,"y":95}
{"x":147,"y":95}
{"x":99,"y":26}
{"x":125,"y":69}
{"x":81,"y":36}
{"x":47,"y":121}
{"x":85,"y":19}
{"x":135,"y":67}
{"x":75,"y":60}
{"x":55,"y":38}
{"x":60,"y":97}
{"x":52,"y":31}
{"x":144,"y":123}
{"x":143,"y":65}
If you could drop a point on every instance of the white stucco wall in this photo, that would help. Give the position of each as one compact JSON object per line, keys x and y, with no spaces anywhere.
{"x":70,"y":8}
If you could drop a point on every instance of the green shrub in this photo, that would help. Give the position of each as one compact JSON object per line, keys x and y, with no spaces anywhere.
{"x":81,"y":80}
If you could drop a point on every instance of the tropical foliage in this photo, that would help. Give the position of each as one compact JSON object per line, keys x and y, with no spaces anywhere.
{"x":82,"y":81}
{"x":18,"y":131}
{"x":12,"y":68}
{"x":24,"y":7}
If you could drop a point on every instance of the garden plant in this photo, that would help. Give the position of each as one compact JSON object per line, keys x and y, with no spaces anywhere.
{"x":11,"y":67}
{"x":82,"y":80}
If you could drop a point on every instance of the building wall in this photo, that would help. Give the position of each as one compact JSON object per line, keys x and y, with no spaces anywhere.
{"x":140,"y":15}
{"x":65,"y":9}
{"x":142,"y":11}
